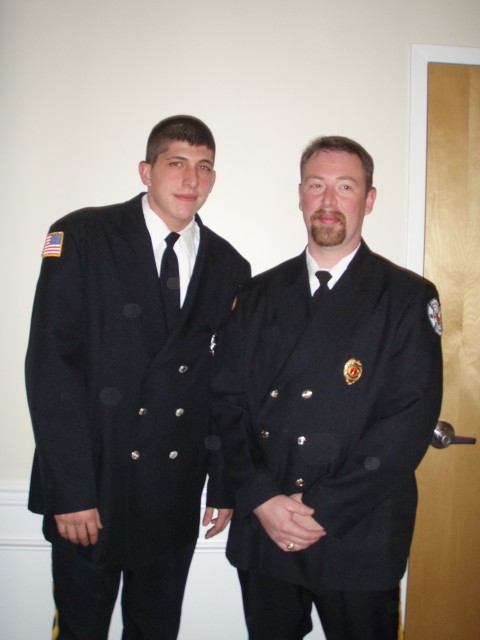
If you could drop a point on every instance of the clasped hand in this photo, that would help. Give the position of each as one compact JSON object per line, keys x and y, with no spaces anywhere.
{"x":289,"y":522}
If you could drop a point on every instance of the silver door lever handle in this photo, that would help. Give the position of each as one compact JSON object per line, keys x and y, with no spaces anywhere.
{"x":444,"y":436}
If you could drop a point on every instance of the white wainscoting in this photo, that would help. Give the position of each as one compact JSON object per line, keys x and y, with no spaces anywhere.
{"x":212,"y":608}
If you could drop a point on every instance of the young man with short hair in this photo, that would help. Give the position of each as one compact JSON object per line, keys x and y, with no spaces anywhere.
{"x":127,"y":307}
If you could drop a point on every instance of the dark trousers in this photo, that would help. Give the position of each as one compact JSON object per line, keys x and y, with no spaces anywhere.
{"x":85,"y":595}
{"x":278,"y":610}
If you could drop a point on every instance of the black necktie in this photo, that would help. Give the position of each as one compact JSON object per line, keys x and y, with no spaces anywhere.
{"x":323,"y":290}
{"x":170,"y":281}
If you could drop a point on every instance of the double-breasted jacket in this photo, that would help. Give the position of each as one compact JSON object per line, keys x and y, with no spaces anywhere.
{"x":338,"y":403}
{"x":120,"y":409}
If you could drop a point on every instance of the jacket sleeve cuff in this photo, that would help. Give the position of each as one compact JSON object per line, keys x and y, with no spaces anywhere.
{"x":258,"y":490}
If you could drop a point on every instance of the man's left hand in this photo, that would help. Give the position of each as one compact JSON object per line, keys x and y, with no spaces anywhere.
{"x":219,"y":523}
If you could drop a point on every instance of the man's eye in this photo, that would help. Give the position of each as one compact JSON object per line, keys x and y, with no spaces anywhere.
{"x":205,"y":167}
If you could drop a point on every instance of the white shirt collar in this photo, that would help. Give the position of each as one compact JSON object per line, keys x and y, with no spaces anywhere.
{"x":337,"y":270}
{"x":158,"y":230}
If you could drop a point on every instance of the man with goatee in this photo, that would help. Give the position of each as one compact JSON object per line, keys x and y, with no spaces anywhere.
{"x":328,"y":389}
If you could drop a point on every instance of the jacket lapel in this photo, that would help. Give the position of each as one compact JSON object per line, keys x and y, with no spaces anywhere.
{"x":286,"y":310}
{"x":136,"y":264}
{"x":198,"y":277}
{"x":291,"y":300}
{"x":328,"y":328}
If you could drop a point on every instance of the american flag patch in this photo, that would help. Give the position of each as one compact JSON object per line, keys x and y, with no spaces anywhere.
{"x":53,"y":245}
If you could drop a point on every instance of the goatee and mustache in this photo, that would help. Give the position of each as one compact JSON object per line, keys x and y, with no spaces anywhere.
{"x":327,"y":235}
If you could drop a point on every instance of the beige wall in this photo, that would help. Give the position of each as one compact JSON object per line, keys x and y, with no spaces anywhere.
{"x":82,"y":83}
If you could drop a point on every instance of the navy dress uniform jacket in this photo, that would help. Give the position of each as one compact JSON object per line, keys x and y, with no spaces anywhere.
{"x":121,"y":410}
{"x":338,"y":403}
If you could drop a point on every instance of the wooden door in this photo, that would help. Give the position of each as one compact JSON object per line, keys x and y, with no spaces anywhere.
{"x":443,"y":594}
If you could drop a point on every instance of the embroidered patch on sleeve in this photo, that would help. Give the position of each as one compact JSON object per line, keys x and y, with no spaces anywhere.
{"x":435,"y":315}
{"x":53,"y":245}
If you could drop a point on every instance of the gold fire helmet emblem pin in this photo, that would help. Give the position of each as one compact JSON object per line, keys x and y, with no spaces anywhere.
{"x":352,"y":371}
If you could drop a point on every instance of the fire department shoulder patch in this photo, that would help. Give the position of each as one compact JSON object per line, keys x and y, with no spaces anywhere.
{"x":435,"y":315}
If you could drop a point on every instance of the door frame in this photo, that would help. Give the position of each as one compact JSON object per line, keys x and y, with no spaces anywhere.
{"x":421,"y":55}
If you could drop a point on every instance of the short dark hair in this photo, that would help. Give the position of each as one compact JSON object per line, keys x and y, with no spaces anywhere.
{"x":181,"y":128}
{"x":340,"y":143}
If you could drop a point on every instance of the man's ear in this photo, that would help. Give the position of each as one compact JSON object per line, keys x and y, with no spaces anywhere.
{"x":145,"y":171}
{"x":214,"y":177}
{"x":370,"y":200}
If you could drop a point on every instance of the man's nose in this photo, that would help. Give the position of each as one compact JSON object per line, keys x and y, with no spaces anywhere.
{"x":190,"y":176}
{"x":329,"y":196}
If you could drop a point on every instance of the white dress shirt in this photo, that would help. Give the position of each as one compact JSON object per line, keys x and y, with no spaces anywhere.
{"x":186,"y":247}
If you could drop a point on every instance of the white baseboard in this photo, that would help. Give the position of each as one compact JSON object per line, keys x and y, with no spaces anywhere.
{"x":20,"y":529}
